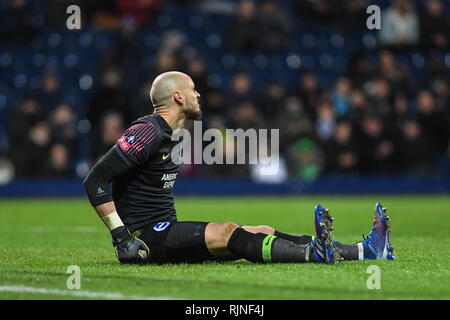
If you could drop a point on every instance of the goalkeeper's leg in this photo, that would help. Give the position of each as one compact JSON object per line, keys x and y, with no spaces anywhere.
{"x":301,"y":240}
{"x":256,"y":247}
{"x":347,"y":251}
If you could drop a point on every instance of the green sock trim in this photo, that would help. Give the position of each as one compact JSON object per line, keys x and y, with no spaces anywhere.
{"x":267,"y":248}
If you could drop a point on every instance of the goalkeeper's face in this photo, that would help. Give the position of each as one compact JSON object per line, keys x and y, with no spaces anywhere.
{"x":192,"y":104}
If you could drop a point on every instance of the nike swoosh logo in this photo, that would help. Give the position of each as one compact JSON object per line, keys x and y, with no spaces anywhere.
{"x":165,"y":156}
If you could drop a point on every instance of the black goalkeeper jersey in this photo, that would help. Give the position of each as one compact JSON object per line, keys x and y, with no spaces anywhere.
{"x":144,"y":194}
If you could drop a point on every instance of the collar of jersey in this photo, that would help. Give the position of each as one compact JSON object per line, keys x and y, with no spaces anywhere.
{"x":163,"y":123}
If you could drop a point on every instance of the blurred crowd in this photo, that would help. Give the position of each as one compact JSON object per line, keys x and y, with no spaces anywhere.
{"x":374,"y":118}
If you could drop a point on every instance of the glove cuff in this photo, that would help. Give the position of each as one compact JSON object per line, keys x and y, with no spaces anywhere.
{"x":120,"y":234}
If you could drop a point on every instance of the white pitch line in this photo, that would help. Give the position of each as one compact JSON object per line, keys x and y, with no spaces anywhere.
{"x":80,"y":293}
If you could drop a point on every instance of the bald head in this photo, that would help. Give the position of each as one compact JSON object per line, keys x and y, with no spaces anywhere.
{"x":165,"y":84}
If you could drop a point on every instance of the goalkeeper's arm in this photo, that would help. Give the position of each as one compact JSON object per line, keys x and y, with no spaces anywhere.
{"x":96,"y":184}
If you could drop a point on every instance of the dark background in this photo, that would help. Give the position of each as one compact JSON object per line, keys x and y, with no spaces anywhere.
{"x":348,"y":101}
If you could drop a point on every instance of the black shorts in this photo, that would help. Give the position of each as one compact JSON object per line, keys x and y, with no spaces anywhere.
{"x":176,"y":242}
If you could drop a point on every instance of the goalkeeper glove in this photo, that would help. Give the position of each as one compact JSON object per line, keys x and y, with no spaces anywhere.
{"x":128,"y":248}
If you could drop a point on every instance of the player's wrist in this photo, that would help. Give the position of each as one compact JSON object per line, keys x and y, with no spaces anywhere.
{"x":120,"y":234}
{"x":112,"y":221}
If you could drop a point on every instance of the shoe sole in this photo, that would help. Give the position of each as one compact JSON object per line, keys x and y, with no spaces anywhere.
{"x":387,"y":226}
{"x":327,"y":224}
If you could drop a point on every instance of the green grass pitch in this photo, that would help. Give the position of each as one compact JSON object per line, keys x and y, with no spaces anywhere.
{"x":41,"y":238}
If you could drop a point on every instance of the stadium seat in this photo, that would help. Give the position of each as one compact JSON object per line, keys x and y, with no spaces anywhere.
{"x":214,"y":41}
{"x":151,"y":40}
{"x":85,"y":40}
{"x":228,"y":60}
{"x":54,"y":40}
{"x":70,"y":60}
{"x":6,"y":59}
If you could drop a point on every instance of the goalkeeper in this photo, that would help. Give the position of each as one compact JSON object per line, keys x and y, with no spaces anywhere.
{"x":139,"y":208}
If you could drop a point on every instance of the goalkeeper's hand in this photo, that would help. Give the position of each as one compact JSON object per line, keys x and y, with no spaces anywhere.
{"x":128,"y":248}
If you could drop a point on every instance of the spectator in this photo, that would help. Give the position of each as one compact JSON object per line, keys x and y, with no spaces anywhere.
{"x":434,"y":122}
{"x":358,"y":105}
{"x":243,"y":28}
{"x":246,"y":116}
{"x":141,"y":10}
{"x":16,"y":23}
{"x":127,"y":62}
{"x":168,"y":57}
{"x":399,"y":25}
{"x":340,"y":96}
{"x":359,"y":69}
{"x":6,"y":170}
{"x":230,"y":167}
{"x":274,"y":27}
{"x":353,"y":14}
{"x":110,"y":96}
{"x":218,"y":122}
{"x":315,"y":11}
{"x":50,"y":94}
{"x":215,"y":104}
{"x":271,"y":100}
{"x":24,"y":116}
{"x":197,"y":70}
{"x":164,"y":63}
{"x":435,"y":69}
{"x":309,"y":91}
{"x":387,"y":66}
{"x":63,"y":127}
{"x":417,"y":156}
{"x":293,"y":122}
{"x":401,"y":109}
{"x":380,"y":98}
{"x":434,"y":26}
{"x":326,"y":120}
{"x":111,"y":130}
{"x":103,"y":15}
{"x":37,"y":148}
{"x":441,"y":91}
{"x":58,"y":163}
{"x":171,"y":44}
{"x":305,"y":163}
{"x":377,"y":151}
{"x":344,"y":14}
{"x":341,"y":152}
{"x":397,"y":75}
{"x":240,"y":89}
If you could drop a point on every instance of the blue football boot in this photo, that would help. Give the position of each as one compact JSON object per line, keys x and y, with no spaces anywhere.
{"x":322,"y":244}
{"x":378,"y":245}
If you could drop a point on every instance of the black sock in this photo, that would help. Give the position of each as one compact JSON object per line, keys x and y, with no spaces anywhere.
{"x":287,"y":251}
{"x":303,"y":239}
{"x":347,"y":251}
{"x":247,"y":245}
{"x":261,"y":247}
